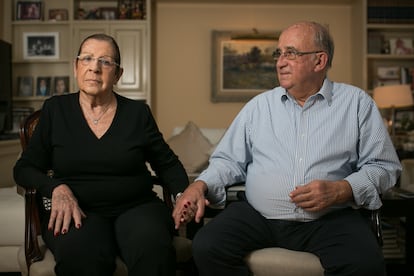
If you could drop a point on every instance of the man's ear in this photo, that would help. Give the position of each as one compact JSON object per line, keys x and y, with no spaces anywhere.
{"x":321,"y":61}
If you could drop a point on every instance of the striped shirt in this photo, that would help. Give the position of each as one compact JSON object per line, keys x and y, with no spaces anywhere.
{"x":274,"y":145}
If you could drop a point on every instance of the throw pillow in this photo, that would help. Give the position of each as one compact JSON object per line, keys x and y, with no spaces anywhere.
{"x":192,"y":147}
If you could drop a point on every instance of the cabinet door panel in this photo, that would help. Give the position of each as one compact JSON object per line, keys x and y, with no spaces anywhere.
{"x":132,"y":47}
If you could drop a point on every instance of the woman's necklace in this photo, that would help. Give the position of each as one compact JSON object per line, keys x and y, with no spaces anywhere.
{"x":95,"y":121}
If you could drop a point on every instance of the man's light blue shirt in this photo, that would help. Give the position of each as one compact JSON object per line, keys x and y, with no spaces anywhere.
{"x":274,"y":145}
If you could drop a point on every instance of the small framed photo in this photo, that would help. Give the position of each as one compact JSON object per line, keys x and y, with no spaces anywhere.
{"x":58,"y":14}
{"x":26,"y":10}
{"x":25,"y":86}
{"x":41,"y":45}
{"x":401,"y":46}
{"x":61,"y":85}
{"x":43,"y":86}
{"x":108,"y":13}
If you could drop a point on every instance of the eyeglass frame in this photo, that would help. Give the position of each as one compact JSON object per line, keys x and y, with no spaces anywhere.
{"x":295,"y":53}
{"x":100,"y":60}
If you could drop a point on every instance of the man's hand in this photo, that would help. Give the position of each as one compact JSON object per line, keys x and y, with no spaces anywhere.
{"x":64,"y":208}
{"x":320,"y":194}
{"x":190,"y":204}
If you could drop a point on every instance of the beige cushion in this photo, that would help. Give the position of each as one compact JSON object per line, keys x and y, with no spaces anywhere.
{"x":279,"y":261}
{"x":192,"y":147}
{"x":11,"y":217}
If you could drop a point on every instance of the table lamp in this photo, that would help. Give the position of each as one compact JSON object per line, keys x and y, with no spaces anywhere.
{"x":392,"y":97}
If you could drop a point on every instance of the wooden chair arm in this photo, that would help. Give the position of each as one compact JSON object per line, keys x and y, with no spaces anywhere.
{"x":32,"y":249}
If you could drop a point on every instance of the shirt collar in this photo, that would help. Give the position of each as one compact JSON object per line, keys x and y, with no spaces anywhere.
{"x":325,"y":92}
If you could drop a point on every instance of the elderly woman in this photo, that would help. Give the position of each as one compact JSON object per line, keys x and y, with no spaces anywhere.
{"x":98,"y":144}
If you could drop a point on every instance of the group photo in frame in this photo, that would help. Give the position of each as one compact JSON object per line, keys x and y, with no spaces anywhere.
{"x":242,"y":65}
{"x":41,"y":45}
{"x":26,"y":10}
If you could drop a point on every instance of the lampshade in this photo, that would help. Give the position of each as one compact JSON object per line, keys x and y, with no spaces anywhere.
{"x":393,"y":96}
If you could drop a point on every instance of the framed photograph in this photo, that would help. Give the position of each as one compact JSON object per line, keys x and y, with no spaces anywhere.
{"x":242,"y":65}
{"x":108,"y":13}
{"x":401,"y":46}
{"x":43,"y":85}
{"x":41,"y":45}
{"x":58,"y":14}
{"x":26,"y":10}
{"x":25,"y":86}
{"x":61,"y":85}
{"x":404,"y":120}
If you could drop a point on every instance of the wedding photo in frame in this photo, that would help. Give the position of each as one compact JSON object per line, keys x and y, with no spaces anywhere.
{"x":41,"y":45}
{"x":242,"y":65}
{"x":26,"y":10}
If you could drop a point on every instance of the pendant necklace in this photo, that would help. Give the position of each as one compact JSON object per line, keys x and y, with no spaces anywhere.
{"x":95,"y":121}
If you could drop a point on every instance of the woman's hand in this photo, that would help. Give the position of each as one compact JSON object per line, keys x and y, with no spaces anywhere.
{"x":64,"y":208}
{"x":190,"y":205}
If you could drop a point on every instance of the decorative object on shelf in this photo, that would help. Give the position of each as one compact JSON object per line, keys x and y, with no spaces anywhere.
{"x":58,"y":14}
{"x":131,"y":9}
{"x":26,"y":10}
{"x":401,"y":46}
{"x":242,"y":65}
{"x":43,"y":85}
{"x":25,"y":86}
{"x":60,"y":85}
{"x":392,"y":97}
{"x":41,"y":45}
{"x":108,"y":13}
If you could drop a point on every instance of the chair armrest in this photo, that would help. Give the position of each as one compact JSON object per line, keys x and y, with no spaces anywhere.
{"x":32,"y":227}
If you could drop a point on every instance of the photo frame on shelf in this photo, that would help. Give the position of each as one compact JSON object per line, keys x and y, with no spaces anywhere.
{"x":58,"y":14}
{"x":242,"y":65}
{"x":43,"y":86}
{"x":108,"y":13}
{"x":401,"y":46}
{"x":25,"y":86}
{"x":404,"y":120}
{"x":29,"y":10}
{"x":41,"y":45}
{"x":60,"y":85}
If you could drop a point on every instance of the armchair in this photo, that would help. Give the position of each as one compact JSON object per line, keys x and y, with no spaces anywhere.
{"x":36,"y":259}
{"x":279,"y":261}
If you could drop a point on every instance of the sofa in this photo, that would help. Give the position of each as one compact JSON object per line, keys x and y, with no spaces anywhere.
{"x":11,"y":208}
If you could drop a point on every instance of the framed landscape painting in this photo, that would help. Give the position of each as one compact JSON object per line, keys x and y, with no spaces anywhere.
{"x":242,"y":65}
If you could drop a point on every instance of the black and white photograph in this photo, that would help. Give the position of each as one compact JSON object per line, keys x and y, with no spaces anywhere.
{"x":41,"y":45}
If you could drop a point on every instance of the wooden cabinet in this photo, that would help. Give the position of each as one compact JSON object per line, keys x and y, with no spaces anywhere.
{"x":132,"y":35}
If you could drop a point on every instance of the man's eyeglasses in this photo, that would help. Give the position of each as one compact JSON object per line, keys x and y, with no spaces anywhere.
{"x":291,"y":54}
{"x":105,"y":62}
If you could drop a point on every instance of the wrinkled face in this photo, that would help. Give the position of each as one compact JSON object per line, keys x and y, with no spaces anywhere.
{"x":298,"y":73}
{"x":94,"y":69}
